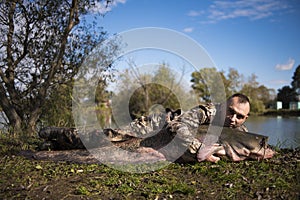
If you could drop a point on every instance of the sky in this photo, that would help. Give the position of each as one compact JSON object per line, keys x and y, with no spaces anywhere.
{"x":260,"y":37}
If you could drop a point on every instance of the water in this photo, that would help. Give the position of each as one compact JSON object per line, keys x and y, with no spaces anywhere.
{"x":283,"y":132}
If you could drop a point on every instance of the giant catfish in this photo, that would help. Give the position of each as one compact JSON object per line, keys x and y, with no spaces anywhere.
{"x":234,"y":144}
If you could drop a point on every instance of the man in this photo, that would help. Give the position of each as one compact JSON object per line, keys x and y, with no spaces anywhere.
{"x":232,"y":113}
{"x":237,"y":111}
{"x":180,"y":132}
{"x":234,"y":144}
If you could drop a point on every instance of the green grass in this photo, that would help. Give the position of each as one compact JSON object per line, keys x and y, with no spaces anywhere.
{"x":21,"y":178}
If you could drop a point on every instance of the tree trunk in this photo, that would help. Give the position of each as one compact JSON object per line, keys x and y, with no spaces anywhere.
{"x":15,"y":121}
{"x":31,"y":125}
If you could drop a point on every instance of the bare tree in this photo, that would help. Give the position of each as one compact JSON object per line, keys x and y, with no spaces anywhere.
{"x":42,"y":44}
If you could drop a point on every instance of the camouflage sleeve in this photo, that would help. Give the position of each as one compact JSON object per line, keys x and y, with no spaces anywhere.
{"x":202,"y":114}
{"x":187,"y":124}
{"x":146,"y":124}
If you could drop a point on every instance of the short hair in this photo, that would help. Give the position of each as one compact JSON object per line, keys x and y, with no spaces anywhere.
{"x":241,"y":98}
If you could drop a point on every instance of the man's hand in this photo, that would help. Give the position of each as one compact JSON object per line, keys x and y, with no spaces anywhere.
{"x":211,"y":153}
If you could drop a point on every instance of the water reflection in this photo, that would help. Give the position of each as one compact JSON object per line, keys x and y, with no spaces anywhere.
{"x":283,"y":132}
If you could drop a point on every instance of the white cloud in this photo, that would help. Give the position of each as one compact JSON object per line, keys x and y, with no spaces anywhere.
{"x":102,"y":7}
{"x":188,"y":29}
{"x":194,"y":13}
{"x":279,"y":82}
{"x":251,"y":9}
{"x":287,"y":66}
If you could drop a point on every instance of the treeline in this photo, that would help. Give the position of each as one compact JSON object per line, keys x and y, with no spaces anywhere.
{"x":290,"y":93}
{"x":260,"y":96}
{"x":145,"y":93}
{"x":138,"y":94}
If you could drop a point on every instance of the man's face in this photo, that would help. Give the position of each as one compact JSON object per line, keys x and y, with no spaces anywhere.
{"x":236,"y":113}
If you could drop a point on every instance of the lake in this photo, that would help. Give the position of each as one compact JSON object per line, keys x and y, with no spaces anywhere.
{"x":283,"y":132}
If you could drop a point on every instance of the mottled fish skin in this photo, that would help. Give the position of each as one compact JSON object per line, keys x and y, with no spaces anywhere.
{"x":61,"y":137}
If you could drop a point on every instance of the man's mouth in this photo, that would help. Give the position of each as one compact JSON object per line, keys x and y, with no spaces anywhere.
{"x":229,"y":124}
{"x":232,"y":125}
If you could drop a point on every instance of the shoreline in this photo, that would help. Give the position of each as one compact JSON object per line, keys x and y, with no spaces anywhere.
{"x":281,"y":112}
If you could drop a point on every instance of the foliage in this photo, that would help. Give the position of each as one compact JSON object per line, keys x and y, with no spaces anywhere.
{"x":235,"y":79}
{"x":103,"y":112}
{"x":291,"y":93}
{"x":260,"y":96}
{"x":144,"y":93}
{"x":145,"y":98}
{"x":43,"y":44}
{"x":57,"y":108}
{"x":285,"y":96}
{"x":296,"y":79}
{"x":208,"y":85}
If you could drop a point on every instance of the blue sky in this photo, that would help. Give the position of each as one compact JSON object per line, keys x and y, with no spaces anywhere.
{"x":252,"y":36}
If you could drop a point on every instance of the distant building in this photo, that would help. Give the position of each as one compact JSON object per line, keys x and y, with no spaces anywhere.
{"x":294,"y":105}
{"x":278,"y":105}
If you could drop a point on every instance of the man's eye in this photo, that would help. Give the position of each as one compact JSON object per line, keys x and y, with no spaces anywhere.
{"x":231,"y":111}
{"x":240,"y":116}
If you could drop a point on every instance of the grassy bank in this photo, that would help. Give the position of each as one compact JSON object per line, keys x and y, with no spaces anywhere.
{"x":21,"y":178}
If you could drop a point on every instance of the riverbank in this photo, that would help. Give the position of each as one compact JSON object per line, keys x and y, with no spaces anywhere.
{"x":282,"y":112}
{"x":23,"y":178}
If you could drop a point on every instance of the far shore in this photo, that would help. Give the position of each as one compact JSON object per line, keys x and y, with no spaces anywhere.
{"x":282,"y":112}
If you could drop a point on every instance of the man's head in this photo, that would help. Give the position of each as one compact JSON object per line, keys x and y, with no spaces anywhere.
{"x":237,"y":110}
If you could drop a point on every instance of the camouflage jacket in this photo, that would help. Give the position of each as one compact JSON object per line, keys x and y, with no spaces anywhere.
{"x":194,"y":118}
{"x":184,"y":125}
{"x":153,"y":123}
{"x":202,"y":114}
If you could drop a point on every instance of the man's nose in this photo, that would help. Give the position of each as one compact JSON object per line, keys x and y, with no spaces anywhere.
{"x":233,"y":117}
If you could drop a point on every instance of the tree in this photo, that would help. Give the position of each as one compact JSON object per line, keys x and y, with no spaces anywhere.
{"x":250,"y":89}
{"x":143,"y":93}
{"x":235,"y":79}
{"x":296,"y":78}
{"x":290,"y":93}
{"x":208,"y":84}
{"x":285,"y":96}
{"x":296,"y":84}
{"x":42,"y":45}
{"x":56,"y":110}
{"x":266,"y":95}
{"x":207,"y":78}
{"x":200,"y":87}
{"x":227,"y":84}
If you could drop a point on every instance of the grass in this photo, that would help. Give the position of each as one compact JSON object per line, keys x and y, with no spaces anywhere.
{"x":21,"y":178}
